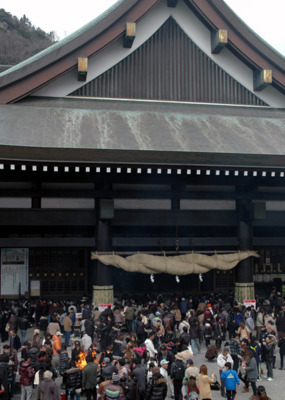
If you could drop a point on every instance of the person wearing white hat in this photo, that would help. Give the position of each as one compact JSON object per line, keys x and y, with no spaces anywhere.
{"x":164,"y":364}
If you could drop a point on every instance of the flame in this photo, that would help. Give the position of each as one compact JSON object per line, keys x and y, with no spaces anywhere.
{"x":81,"y":362}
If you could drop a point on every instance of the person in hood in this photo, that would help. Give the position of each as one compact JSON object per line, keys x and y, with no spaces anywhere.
{"x":157,"y":386}
{"x":27,"y":374}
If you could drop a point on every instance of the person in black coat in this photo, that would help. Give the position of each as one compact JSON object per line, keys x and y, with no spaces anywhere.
{"x":15,"y":341}
{"x":4,"y":374}
{"x":139,"y":373}
{"x":89,"y":328}
{"x":281,"y":345}
{"x":166,"y":355}
{"x":157,"y":386}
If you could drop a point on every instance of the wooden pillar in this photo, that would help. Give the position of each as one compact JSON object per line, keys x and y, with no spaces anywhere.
{"x":36,"y":200}
{"x":244,"y":286}
{"x":102,"y":284}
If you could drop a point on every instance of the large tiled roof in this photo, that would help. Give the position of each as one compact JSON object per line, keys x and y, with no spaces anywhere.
{"x":125,"y":131}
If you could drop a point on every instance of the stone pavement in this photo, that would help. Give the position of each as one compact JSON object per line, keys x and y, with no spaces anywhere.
{"x":275,"y":389}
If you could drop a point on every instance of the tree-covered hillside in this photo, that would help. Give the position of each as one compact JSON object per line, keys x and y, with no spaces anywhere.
{"x":19,"y":39}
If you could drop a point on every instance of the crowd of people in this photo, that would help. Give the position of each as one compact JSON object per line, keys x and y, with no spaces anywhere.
{"x":141,"y":349}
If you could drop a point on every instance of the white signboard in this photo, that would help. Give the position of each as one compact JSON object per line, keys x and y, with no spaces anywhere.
{"x":35,"y":288}
{"x":14,"y":271}
{"x":249,"y":303}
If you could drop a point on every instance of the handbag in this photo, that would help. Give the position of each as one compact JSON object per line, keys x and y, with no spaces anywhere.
{"x":215,"y":385}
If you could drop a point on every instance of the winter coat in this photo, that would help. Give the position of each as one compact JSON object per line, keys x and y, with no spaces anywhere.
{"x":222,"y":360}
{"x":140,"y":328}
{"x":140,"y":373}
{"x":269,"y":352}
{"x":43,"y":324}
{"x":86,"y":341}
{"x":89,"y":327}
{"x":64,"y":362}
{"x":23,"y":323}
{"x":181,"y":326}
{"x":34,"y":353}
{"x":53,"y":327}
{"x":67,"y":324}
{"x":48,"y":389}
{"x":15,"y":342}
{"x":73,"y":378}
{"x":208,"y":315}
{"x":281,"y":345}
{"x":89,"y":376}
{"x":117,"y":346}
{"x":156,"y":388}
{"x":130,"y":314}
{"x":208,"y":331}
{"x":13,"y":357}
{"x":231,"y":379}
{"x":13,"y":322}
{"x":251,"y":370}
{"x":169,"y":356}
{"x":4,"y":372}
{"x":217,"y":331}
{"x":168,"y":322}
{"x":185,"y":338}
{"x":118,"y":317}
{"x":26,"y":373}
{"x":195,"y":331}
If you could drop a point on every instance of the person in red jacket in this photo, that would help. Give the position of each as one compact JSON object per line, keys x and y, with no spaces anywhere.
{"x":26,"y":378}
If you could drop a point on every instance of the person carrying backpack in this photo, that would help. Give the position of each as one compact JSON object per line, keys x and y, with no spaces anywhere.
{"x":177,"y":374}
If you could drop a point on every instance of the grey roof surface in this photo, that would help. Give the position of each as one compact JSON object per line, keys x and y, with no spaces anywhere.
{"x":126,"y":131}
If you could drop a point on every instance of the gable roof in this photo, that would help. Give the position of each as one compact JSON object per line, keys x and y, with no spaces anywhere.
{"x":45,"y":67}
{"x":146,"y":132}
{"x":180,"y":71}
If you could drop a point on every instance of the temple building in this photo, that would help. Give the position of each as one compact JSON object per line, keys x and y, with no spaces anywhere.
{"x":156,"y":128}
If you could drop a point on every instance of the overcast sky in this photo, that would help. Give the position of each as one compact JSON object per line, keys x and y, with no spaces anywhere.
{"x":265,"y":17}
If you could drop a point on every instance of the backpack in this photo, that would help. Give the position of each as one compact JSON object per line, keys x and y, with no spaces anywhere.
{"x":178,"y":372}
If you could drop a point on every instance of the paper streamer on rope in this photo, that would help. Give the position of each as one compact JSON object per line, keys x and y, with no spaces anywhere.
{"x":201,"y":277}
{"x":177,"y":279}
{"x":152,"y":278}
{"x":184,"y":264}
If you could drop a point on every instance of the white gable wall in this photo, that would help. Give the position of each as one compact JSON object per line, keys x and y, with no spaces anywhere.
{"x":196,"y":31}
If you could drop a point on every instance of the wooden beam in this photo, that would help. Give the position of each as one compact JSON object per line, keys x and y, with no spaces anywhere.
{"x":172,"y":3}
{"x":82,"y":68}
{"x":261,"y":79}
{"x":130,"y":34}
{"x":47,"y":242}
{"x":219,"y":39}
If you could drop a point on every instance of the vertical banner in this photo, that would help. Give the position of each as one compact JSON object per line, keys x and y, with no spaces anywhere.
{"x":14,"y":271}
